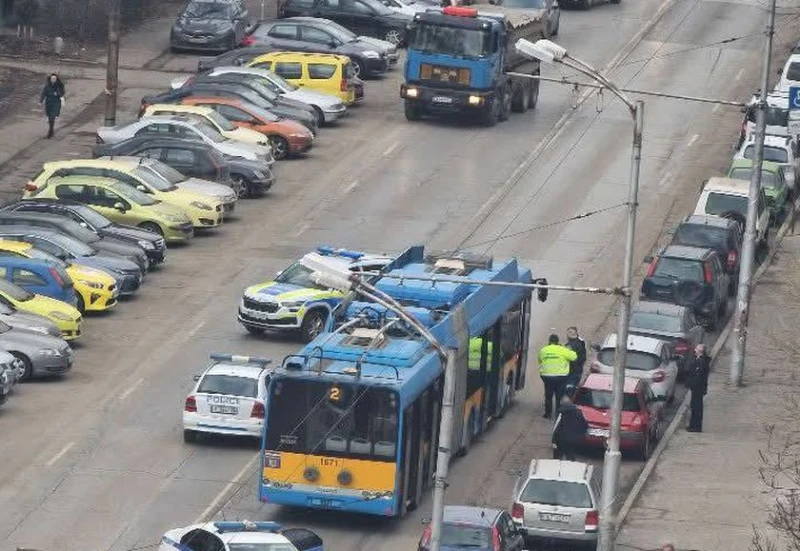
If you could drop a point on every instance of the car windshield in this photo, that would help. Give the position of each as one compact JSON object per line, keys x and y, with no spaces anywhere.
{"x":655,"y":322}
{"x":14,"y":291}
{"x":768,"y":179}
{"x":166,"y":172}
{"x":256,"y":85}
{"x":280,"y":82}
{"x":342,"y":32}
{"x":297,"y":274}
{"x":772,"y":154}
{"x":723,"y":203}
{"x":209,"y":10}
{"x":679,"y":269}
{"x":246,"y":387}
{"x":556,"y":492}
{"x":793,"y":72}
{"x":261,"y":547}
{"x":601,"y":399}
{"x":152,"y":178}
{"x":209,"y":132}
{"x":458,"y":535}
{"x":453,"y":41}
{"x":635,"y":359}
{"x":699,"y":235}
{"x":133,"y":194}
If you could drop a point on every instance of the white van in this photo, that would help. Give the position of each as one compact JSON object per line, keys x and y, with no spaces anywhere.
{"x":727,"y":197}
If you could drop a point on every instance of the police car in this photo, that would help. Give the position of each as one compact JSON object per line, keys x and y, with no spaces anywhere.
{"x":240,"y":536}
{"x":229,"y":398}
{"x":294,"y":301}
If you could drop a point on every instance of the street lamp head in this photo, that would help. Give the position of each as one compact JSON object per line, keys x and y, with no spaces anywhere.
{"x":543,"y":50}
{"x":332,"y":280}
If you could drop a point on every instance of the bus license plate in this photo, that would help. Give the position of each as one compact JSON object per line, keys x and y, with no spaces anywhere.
{"x":553,"y":517}
{"x":226,"y":410}
{"x":324,"y":502}
{"x":442,"y":99}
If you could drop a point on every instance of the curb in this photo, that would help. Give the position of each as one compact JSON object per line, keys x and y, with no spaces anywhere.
{"x":650,"y":466}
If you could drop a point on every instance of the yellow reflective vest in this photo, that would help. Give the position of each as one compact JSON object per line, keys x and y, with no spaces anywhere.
{"x":554,"y":360}
{"x":475,"y":349}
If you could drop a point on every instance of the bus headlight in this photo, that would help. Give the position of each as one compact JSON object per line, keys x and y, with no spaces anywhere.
{"x":475,"y":100}
{"x":311,"y":474}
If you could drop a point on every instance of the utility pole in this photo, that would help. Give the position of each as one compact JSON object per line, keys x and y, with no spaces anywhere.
{"x":112,"y":65}
{"x":443,"y":456}
{"x":749,"y":249}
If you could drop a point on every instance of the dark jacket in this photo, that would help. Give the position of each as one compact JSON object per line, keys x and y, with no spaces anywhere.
{"x":579,"y":347}
{"x":570,"y":426}
{"x":51,"y":97}
{"x":697,"y":376}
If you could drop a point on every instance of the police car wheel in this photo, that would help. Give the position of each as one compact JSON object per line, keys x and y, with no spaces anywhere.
{"x":313,"y":324}
{"x":189,"y":436}
{"x":81,"y":305}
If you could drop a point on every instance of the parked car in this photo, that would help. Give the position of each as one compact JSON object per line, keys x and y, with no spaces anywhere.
{"x":153,"y":245}
{"x":240,"y":536}
{"x":643,"y":416}
{"x":309,"y":34}
{"x":550,"y":10}
{"x":713,"y":232}
{"x":29,"y":321}
{"x":214,"y":119}
{"x":328,"y":107}
{"x":773,"y":182}
{"x":122,"y":204}
{"x":390,"y":49}
{"x":689,"y":276}
{"x":557,"y":502}
{"x":41,"y":355}
{"x":784,"y":151}
{"x":789,"y":74}
{"x":39,"y":276}
{"x":187,"y":127}
{"x":368,"y":17}
{"x":197,"y":160}
{"x":11,"y":371}
{"x":237,"y":57}
{"x":476,"y":528}
{"x":776,"y":116}
{"x":728,"y":198}
{"x":670,"y":323}
{"x":216,"y":25}
{"x":650,"y":359}
{"x":65,"y":316}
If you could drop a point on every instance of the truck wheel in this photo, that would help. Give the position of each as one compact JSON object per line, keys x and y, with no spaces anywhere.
{"x":504,"y":109}
{"x":533,"y":90}
{"x":413,"y":111}
{"x":489,"y":114}
{"x":521,"y":98}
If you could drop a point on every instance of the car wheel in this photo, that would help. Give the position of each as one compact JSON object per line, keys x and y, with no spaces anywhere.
{"x":27,"y":372}
{"x":189,"y":436}
{"x":81,"y":306}
{"x":313,"y":324}
{"x":320,"y":115}
{"x":245,"y":187}
{"x":280,"y":147}
{"x":394,"y":36}
{"x":152,"y":227}
{"x":359,"y":69}
{"x":253,"y":330}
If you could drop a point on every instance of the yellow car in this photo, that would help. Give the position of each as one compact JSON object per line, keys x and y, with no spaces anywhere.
{"x":97,"y":291}
{"x":220,"y":123}
{"x":338,"y":79}
{"x":121,"y":204}
{"x":204,"y":210}
{"x":64,"y":315}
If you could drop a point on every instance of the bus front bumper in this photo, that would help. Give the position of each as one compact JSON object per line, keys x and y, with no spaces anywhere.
{"x":311,"y":497}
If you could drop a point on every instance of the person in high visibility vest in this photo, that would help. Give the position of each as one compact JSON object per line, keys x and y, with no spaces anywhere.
{"x":475,"y":350}
{"x":554,"y":362}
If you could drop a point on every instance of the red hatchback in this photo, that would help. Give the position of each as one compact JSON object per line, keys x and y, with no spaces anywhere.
{"x":642,"y":413}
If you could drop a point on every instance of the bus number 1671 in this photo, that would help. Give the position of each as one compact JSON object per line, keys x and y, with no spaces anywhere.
{"x":327,"y":462}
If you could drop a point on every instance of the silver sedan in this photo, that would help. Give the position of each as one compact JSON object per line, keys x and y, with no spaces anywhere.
{"x":41,"y":355}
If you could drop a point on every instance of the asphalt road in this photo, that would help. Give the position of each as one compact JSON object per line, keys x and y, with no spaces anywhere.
{"x":96,"y":461}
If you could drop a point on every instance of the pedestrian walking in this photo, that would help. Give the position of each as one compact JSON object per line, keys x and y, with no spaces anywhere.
{"x":577,"y":345}
{"x":697,"y":382}
{"x":554,"y":359}
{"x":570,"y":429}
{"x":52,"y":97}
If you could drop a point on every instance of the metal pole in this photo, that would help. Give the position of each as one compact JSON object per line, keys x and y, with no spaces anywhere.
{"x":443,"y":455}
{"x":742,"y":312}
{"x":263,"y":12}
{"x":611,"y":461}
{"x":112,"y":65}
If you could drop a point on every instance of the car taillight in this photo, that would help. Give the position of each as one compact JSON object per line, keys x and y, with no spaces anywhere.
{"x":652,"y":268}
{"x":258,"y":411}
{"x":707,"y":272}
{"x":594,"y":367}
{"x":56,"y":276}
{"x":681,"y":347}
{"x":426,"y":537}
{"x":658,"y":376}
{"x":190,"y":405}
{"x":248,"y":40}
{"x":496,"y":539}
{"x":732,"y":256}
{"x":343,"y":85}
{"x":30,"y":186}
{"x":591,"y":522}
{"x":518,"y":512}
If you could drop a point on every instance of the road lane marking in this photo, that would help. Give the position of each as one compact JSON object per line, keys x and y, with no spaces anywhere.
{"x":691,"y":142}
{"x":217,"y":503}
{"x":716,"y":107}
{"x":301,"y":229}
{"x":353,"y":185}
{"x":390,"y":149}
{"x":130,"y":389}
{"x":197,"y":328}
{"x":739,"y":74}
{"x":60,"y":454}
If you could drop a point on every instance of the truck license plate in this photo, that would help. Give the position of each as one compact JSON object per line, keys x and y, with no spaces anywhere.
{"x":553,"y":517}
{"x":226,"y":410}
{"x":442,"y":99}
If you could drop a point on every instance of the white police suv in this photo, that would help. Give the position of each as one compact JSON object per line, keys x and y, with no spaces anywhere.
{"x":229,"y":397}
{"x":240,"y":536}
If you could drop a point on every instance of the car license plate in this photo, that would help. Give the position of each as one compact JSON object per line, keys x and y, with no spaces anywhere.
{"x":604,"y":433}
{"x":225,"y":410}
{"x":554,"y":517}
{"x":257,"y":315}
{"x":442,"y":99}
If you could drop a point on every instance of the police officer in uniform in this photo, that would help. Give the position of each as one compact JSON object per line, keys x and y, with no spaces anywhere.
{"x":554,"y":362}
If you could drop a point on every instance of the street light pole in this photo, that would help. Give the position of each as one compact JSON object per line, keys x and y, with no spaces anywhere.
{"x":742,"y":312}
{"x":547,"y":51}
{"x":112,"y":64}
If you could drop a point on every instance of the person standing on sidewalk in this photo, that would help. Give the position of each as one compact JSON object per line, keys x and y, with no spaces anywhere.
{"x":554,"y":360}
{"x":570,"y":429}
{"x":697,"y":382}
{"x":577,"y":345}
{"x":52,"y":97}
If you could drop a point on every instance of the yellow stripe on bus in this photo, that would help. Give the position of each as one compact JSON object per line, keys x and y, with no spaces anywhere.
{"x":376,"y":476}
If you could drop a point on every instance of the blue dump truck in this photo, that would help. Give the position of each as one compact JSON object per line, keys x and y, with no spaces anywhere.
{"x":459,"y":60}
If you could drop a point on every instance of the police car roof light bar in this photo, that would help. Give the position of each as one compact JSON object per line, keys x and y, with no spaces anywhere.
{"x":217,"y":357}
{"x":247,"y":526}
{"x":332,"y":251}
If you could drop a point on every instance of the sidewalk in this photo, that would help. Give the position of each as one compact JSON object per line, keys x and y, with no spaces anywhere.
{"x":705,"y":492}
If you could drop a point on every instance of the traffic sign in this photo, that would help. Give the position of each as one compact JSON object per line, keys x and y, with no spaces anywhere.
{"x":794,"y":98}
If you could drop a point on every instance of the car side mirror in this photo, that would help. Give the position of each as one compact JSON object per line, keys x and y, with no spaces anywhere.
{"x":196,"y":378}
{"x":120,"y":207}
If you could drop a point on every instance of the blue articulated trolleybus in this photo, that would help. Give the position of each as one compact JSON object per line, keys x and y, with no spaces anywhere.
{"x":353,"y":418}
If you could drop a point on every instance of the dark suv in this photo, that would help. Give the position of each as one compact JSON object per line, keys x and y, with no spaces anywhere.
{"x":692,"y":277}
{"x":721,"y":234}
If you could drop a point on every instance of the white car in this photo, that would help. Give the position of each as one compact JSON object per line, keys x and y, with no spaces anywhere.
{"x":240,"y":536}
{"x":650,"y":359}
{"x":728,"y":198}
{"x":790,"y":74}
{"x":404,"y":7}
{"x":783,"y":151}
{"x":229,"y":398}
